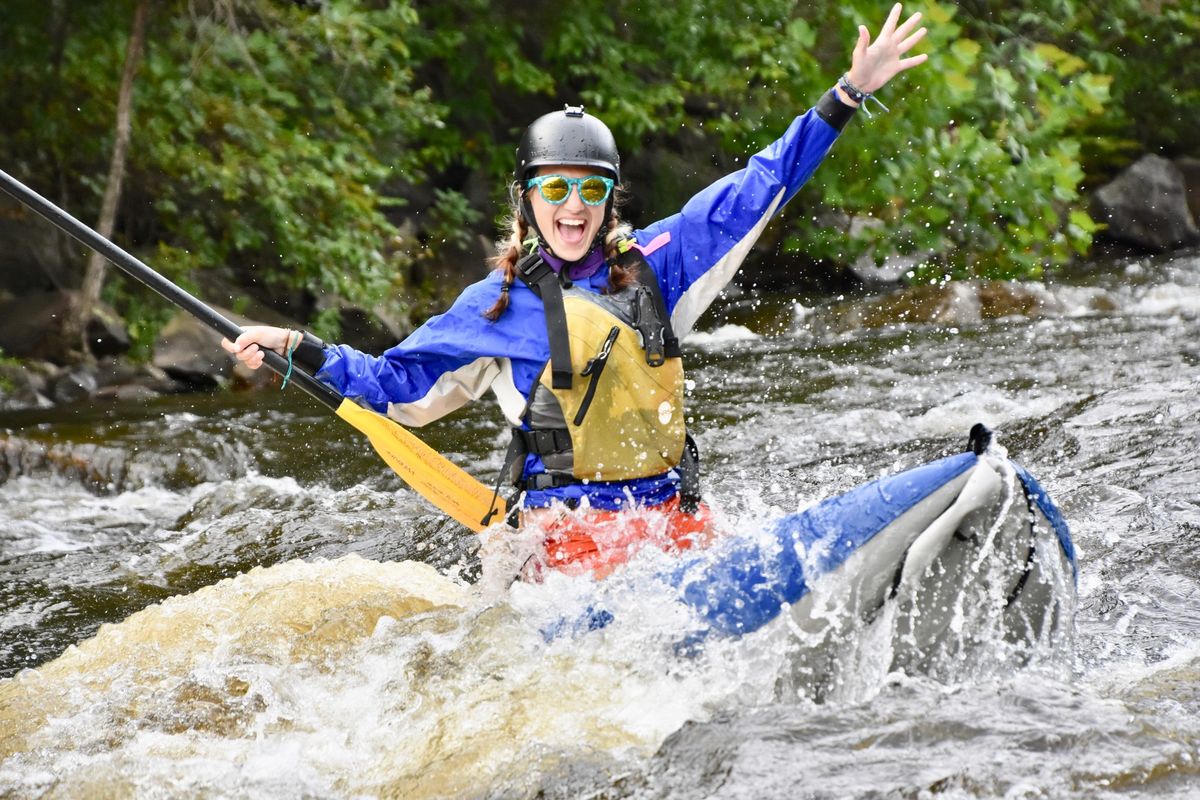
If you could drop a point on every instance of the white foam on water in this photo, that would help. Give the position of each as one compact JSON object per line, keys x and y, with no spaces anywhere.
{"x":720,"y":337}
{"x":350,"y":677}
{"x":994,"y":408}
{"x":59,"y":516}
{"x":1167,"y":300}
{"x":876,"y":426}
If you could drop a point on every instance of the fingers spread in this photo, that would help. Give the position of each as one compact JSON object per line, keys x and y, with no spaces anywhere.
{"x":890,"y":25}
{"x":906,"y":63}
{"x":908,"y":25}
{"x":911,"y":42}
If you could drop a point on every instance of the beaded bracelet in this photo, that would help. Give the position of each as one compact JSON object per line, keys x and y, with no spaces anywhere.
{"x":858,"y":95}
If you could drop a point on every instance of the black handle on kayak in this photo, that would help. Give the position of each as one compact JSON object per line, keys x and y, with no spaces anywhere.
{"x":172,"y":293}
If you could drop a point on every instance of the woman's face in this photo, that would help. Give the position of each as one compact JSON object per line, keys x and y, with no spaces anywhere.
{"x":570,"y":227}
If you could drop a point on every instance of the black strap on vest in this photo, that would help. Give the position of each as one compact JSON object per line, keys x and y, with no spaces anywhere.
{"x":544,"y":282}
{"x":544,"y":442}
{"x":514,"y":461}
{"x":510,"y":458}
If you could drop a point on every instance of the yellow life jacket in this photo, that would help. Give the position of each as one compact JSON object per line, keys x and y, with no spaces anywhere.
{"x":608,"y":405}
{"x":623,"y":415}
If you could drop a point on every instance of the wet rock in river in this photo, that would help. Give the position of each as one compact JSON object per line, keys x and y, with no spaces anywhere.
{"x":128,"y":392}
{"x":25,"y":385}
{"x":99,"y":468}
{"x":72,"y":385}
{"x":113,"y":374}
{"x":953,"y":303}
{"x":1147,"y":206}
{"x":191,"y":353}
{"x":1190,"y":169}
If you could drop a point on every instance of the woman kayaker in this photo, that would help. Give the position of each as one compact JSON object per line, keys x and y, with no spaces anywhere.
{"x":576,"y":331}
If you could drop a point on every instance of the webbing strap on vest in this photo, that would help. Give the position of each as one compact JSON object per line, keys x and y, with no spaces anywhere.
{"x":510,"y":458}
{"x":544,"y":282}
{"x":514,"y":460}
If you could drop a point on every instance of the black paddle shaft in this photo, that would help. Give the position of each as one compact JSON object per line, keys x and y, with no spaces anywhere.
{"x":168,"y":290}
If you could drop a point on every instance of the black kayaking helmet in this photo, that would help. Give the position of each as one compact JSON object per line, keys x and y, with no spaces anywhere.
{"x":570,"y":137}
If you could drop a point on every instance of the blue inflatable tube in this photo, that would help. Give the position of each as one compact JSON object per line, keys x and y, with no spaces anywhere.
{"x":746,"y":584}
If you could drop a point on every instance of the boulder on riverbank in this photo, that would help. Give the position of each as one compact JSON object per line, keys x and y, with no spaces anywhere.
{"x":1190,"y":169}
{"x":31,"y":327}
{"x":187,"y":357}
{"x":1146,"y":206}
{"x":39,"y":257}
{"x":34,"y":383}
{"x":190,"y":352}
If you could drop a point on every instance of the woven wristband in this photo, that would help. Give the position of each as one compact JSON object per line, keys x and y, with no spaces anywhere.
{"x":859,"y":96}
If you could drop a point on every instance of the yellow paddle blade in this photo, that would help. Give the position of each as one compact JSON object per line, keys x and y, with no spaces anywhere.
{"x":426,"y":470}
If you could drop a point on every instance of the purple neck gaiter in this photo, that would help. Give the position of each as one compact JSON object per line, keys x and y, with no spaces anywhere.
{"x":586,"y":267}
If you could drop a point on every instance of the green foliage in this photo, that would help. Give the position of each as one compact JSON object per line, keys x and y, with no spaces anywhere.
{"x":60,"y":72}
{"x":1147,"y":47}
{"x":977,"y":169}
{"x":451,"y":218}
{"x":277,"y":127}
{"x":7,"y":384}
{"x":144,"y":314}
{"x":265,"y":134}
{"x":286,"y":145}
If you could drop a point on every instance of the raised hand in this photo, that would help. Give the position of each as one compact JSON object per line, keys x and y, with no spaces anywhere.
{"x":873,"y":64}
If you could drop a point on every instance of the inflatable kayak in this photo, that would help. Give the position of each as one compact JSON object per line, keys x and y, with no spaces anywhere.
{"x":965,"y":548}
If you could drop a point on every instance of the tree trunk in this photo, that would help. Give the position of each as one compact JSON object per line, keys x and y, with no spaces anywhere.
{"x":60,"y":31}
{"x":75,"y":329}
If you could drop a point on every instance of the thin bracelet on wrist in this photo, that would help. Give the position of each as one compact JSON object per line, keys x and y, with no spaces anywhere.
{"x":290,"y":350}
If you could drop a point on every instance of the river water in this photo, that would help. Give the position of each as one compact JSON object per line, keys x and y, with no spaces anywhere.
{"x":230,"y":596}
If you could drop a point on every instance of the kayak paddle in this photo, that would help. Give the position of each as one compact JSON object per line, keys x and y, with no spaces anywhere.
{"x":428,"y":472}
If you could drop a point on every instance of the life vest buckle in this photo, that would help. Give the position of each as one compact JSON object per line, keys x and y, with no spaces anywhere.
{"x":650,"y":327}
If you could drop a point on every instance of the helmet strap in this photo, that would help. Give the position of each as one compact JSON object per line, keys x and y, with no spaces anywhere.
{"x":602,"y":234}
{"x":526,"y":209}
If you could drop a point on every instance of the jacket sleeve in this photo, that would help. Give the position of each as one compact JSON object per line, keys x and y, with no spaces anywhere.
{"x":447,"y":362}
{"x":696,"y":252}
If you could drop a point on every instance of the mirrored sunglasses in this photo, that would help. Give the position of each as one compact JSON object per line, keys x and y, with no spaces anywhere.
{"x":555,"y":189}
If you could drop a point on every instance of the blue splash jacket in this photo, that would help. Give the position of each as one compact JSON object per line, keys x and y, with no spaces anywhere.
{"x":457,"y":356}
